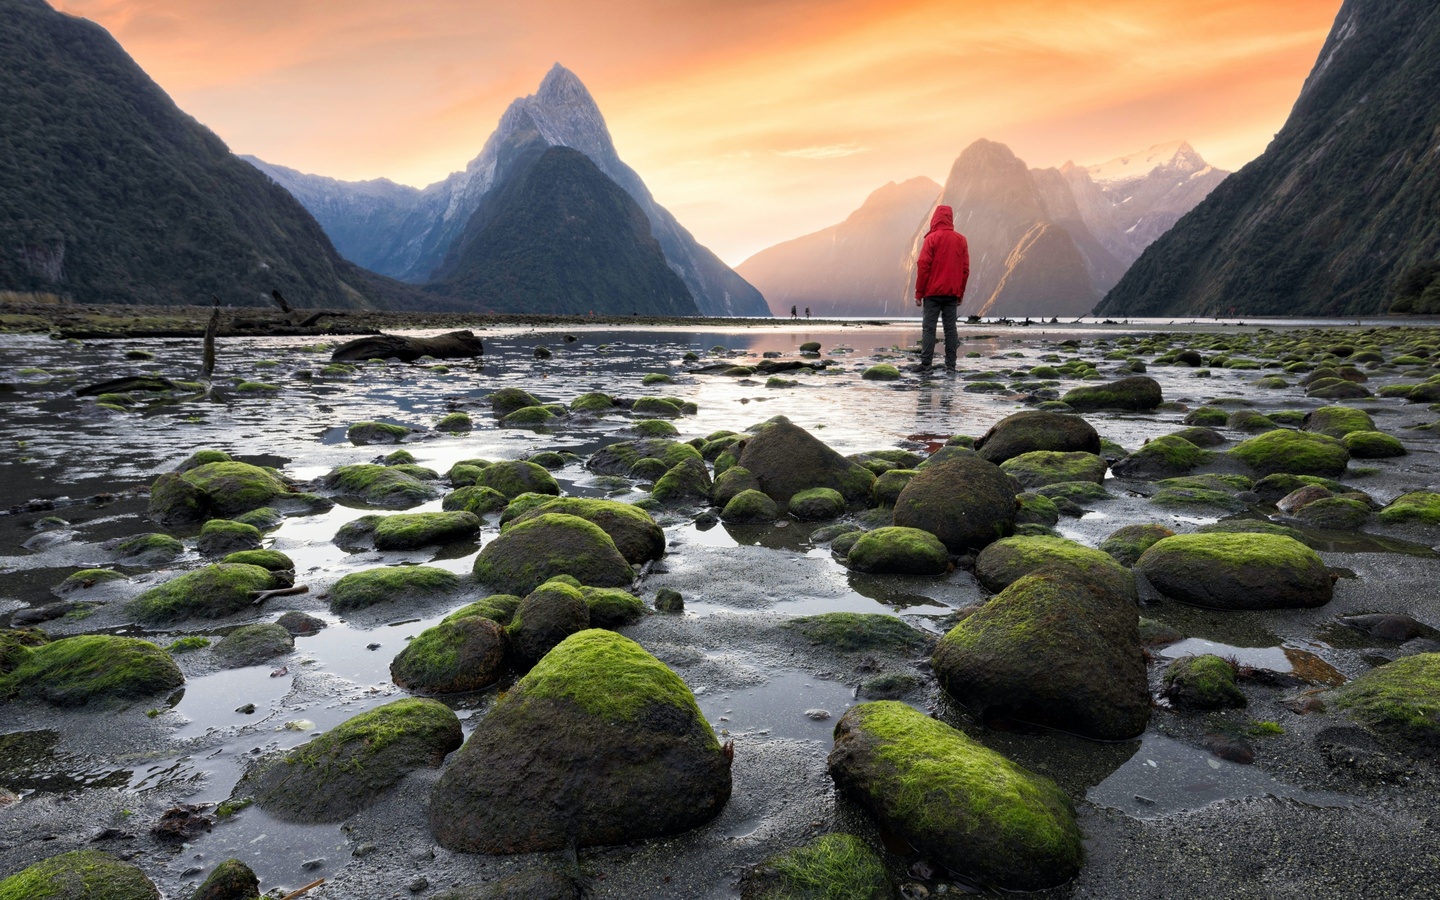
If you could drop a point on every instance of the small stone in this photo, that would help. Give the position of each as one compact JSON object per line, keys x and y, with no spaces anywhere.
{"x":310,"y":865}
{"x":819,"y":715}
{"x":364,"y":850}
{"x":668,"y":600}
{"x":372,"y":646}
{"x":247,"y":709}
{"x":419,"y":884}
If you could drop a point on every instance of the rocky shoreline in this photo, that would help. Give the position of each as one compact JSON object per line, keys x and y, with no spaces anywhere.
{"x":1161,"y":624}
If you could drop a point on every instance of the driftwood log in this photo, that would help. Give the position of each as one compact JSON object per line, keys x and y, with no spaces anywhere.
{"x":126,"y":384}
{"x":454,"y":345}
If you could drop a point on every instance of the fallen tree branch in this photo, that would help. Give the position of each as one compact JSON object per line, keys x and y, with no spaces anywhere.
{"x":259,"y":597}
{"x":293,"y":894}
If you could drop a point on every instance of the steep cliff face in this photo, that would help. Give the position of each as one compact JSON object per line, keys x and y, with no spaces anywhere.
{"x":110,"y":193}
{"x":408,"y":233}
{"x":1022,"y":262}
{"x":849,"y":269}
{"x":1343,"y":202}
{"x":557,"y":235}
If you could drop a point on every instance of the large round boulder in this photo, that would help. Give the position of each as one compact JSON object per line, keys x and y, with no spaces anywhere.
{"x":1025,"y":432}
{"x":619,"y":457}
{"x":1237,"y":571}
{"x":548,"y":615}
{"x":74,"y":671}
{"x":411,"y":531}
{"x":1139,"y":392}
{"x":1400,"y":700}
{"x":1010,"y":559}
{"x":464,"y":654}
{"x":388,"y":584}
{"x":634,"y":532}
{"x":79,"y":875}
{"x":787,"y":459}
{"x":213,"y":592}
{"x":899,"y":551}
{"x":1294,"y":453}
{"x":1167,"y":456}
{"x":223,"y":488}
{"x":599,"y":744}
{"x":956,"y":801}
{"x":530,"y":553}
{"x":376,"y":485}
{"x":1041,"y":467}
{"x":1054,"y":649}
{"x":965,"y":501}
{"x":250,"y":645}
{"x":513,"y":477}
{"x":347,"y":768}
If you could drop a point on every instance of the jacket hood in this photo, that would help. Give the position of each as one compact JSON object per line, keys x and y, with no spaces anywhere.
{"x":944,"y":217}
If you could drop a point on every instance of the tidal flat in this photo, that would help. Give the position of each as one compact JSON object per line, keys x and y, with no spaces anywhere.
{"x":1292,"y":794}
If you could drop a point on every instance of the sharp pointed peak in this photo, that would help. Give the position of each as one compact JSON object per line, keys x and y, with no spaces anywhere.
{"x":560,"y":84}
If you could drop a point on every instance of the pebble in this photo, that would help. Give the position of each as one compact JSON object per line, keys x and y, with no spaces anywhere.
{"x":310,"y":865}
{"x":247,"y":709}
{"x":818,"y":715}
{"x":419,"y":884}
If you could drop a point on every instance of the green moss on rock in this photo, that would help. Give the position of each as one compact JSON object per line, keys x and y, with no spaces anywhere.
{"x":213,"y":592}
{"x":347,"y":768}
{"x":1126,"y":544}
{"x":1372,"y":445}
{"x":374,"y":485}
{"x":899,"y":551}
{"x":686,"y":482}
{"x":1005,"y":561}
{"x":146,"y":549}
{"x":1294,"y":453}
{"x":475,"y":499}
{"x":223,"y":536}
{"x":814,"y":504}
{"x":635,"y":533}
{"x":231,"y":880}
{"x":77,"y":670}
{"x":362,"y":433}
{"x":593,"y":402}
{"x":529,"y":553}
{"x":410,"y":531}
{"x":1135,"y":393}
{"x":455,"y":422}
{"x":962,"y":805}
{"x":79,"y":875}
{"x":1041,"y":467}
{"x":464,"y":653}
{"x":966,"y":502}
{"x":221,"y":488}
{"x":881,"y":372}
{"x":1201,"y":682}
{"x":507,"y":400}
{"x":1026,"y":432}
{"x":1237,"y":571}
{"x":250,"y":645}
{"x":498,"y":608}
{"x":359,"y":590}
{"x":517,"y":476}
{"x":1400,"y":699}
{"x":1337,"y":421}
{"x":832,"y":867}
{"x":1162,"y":457}
{"x":859,"y":633}
{"x":1422,"y":507}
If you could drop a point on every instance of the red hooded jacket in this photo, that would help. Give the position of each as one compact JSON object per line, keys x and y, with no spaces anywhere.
{"x":944,"y":259}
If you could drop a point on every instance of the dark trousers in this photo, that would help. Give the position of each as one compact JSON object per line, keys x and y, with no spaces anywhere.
{"x":934,"y":308}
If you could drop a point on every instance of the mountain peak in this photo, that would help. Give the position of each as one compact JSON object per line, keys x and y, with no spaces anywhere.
{"x":561,"y":86}
{"x":1177,"y":155}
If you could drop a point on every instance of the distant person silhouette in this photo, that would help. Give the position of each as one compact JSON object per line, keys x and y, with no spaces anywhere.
{"x":944,"y":270}
{"x":793,"y":313}
{"x":807,"y":312}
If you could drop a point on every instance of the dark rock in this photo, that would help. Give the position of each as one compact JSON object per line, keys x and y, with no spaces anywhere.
{"x":231,"y":880}
{"x":464,"y":654}
{"x":529,"y":553}
{"x":1139,"y":392}
{"x":787,"y":459}
{"x":1237,"y":571}
{"x":79,"y":875}
{"x":1024,"y":432}
{"x":1201,"y":682}
{"x":251,"y":645}
{"x":548,"y":615}
{"x":599,"y":744}
{"x":899,"y":551}
{"x":966,"y":502}
{"x":453,"y":345}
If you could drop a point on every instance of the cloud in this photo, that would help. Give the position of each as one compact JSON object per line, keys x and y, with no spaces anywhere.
{"x":826,"y":151}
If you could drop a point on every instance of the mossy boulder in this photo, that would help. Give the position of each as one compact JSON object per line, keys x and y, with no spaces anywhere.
{"x":1293,"y":453}
{"x":889,"y":484}
{"x":666,"y":407}
{"x":881,"y":372}
{"x":1237,"y":571}
{"x":507,"y":400}
{"x":548,"y":615}
{"x":730,"y":483}
{"x":498,"y":608}
{"x":455,"y":423}
{"x":374,"y":485}
{"x":686,"y":482}
{"x":15,"y":644}
{"x":750,"y":507}
{"x":529,"y":416}
{"x":360,"y":590}
{"x":1249,"y":420}
{"x":1334,"y":514}
{"x":966,"y":502}
{"x":213,"y":592}
{"x":273,"y":560}
{"x":74,"y":671}
{"x":1041,"y":467}
{"x":514,"y":477}
{"x":529,"y":553}
{"x":832,"y":866}
{"x":1200,"y":436}
{"x":1337,"y":421}
{"x":957,"y":802}
{"x":458,"y":655}
{"x":231,"y":880}
{"x":1400,"y":700}
{"x":250,"y":645}
{"x":1422,"y":507}
{"x":1007,"y":560}
{"x":362,"y":433}
{"x":1372,"y":445}
{"x":1206,"y":416}
{"x":1034,"y":509}
{"x":612,"y":607}
{"x":152,"y":549}
{"x":599,"y":744}
{"x":220,"y":537}
{"x":1138,"y":392}
{"x":349,"y":767}
{"x":815,"y":504}
{"x":899,"y":551}
{"x":474,"y":499}
{"x":79,"y":875}
{"x":845,"y":632}
{"x":410,"y":531}
{"x":635,"y":533}
{"x":1026,"y":432}
{"x":85,"y":579}
{"x":1126,"y":544}
{"x":1074,"y":492}
{"x":1055,"y":648}
{"x":1201,"y":682}
{"x":619,"y":457}
{"x":1163,"y":457}
{"x":214,"y":489}
{"x":593,"y":402}
{"x":787,"y":459}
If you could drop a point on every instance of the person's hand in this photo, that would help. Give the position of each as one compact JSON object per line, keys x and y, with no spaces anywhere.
{"x":919,"y":302}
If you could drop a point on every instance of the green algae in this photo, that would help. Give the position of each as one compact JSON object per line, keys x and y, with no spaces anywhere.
{"x":359,"y":590}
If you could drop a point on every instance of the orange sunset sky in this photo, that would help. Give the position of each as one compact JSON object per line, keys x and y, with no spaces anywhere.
{"x":753,"y":121}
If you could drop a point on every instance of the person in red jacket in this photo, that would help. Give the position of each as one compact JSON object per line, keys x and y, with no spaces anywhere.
{"x":940,"y":286}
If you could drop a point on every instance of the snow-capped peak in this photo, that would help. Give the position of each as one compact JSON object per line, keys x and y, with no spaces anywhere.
{"x":1173,"y":155}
